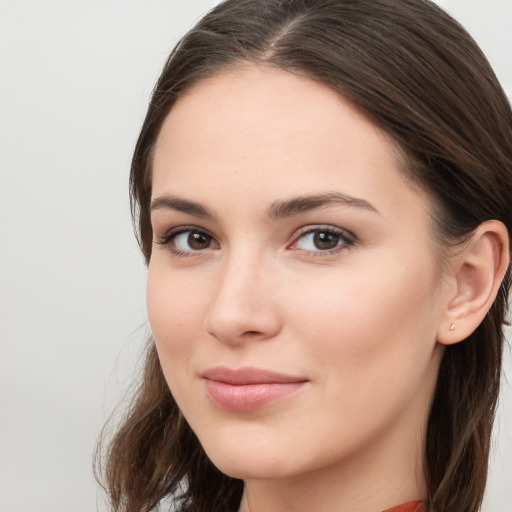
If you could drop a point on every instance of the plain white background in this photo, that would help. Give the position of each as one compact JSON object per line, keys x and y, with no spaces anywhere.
{"x":75,"y":78}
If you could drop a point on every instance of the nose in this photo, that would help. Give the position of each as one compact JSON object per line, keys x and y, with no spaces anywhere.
{"x":244,"y":307}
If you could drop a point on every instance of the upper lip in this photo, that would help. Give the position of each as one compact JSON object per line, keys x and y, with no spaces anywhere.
{"x":248,"y":375}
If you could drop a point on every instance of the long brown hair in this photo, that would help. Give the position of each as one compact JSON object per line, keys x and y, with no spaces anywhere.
{"x":418,"y":75}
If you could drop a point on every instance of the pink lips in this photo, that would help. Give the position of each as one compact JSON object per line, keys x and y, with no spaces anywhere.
{"x":247,"y":389}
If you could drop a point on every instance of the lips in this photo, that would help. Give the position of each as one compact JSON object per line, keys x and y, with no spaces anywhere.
{"x":247,"y":389}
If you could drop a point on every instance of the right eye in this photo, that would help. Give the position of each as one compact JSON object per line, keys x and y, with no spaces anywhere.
{"x":187,"y":241}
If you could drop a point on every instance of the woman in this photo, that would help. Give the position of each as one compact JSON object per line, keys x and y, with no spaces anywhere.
{"x":322,"y":190}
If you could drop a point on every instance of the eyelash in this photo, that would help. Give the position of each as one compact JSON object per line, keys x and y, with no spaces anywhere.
{"x":168,"y":239}
{"x":346,"y":240}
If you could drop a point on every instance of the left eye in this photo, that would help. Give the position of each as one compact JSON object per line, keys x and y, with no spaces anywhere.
{"x":322,"y":240}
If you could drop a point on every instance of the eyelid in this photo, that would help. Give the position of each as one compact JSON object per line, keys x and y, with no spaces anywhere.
{"x":169,"y":236}
{"x":348,"y":238}
{"x":308,"y":228}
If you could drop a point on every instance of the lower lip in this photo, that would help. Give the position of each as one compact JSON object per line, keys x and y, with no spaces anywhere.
{"x":248,"y":397}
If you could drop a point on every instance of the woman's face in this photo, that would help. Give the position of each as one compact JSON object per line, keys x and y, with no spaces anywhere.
{"x":294,"y":291}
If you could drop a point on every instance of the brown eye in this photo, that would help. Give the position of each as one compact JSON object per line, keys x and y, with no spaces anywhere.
{"x":324,"y":240}
{"x":198,"y":241}
{"x":188,"y":241}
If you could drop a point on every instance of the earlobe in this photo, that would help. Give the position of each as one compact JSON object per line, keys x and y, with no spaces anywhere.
{"x":481,"y":267}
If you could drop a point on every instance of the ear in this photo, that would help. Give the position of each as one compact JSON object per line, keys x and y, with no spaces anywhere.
{"x":475,"y":279}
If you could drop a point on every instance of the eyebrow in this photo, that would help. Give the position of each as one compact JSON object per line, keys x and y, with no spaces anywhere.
{"x":181,"y":205}
{"x":287,"y":208}
{"x":279,"y":209}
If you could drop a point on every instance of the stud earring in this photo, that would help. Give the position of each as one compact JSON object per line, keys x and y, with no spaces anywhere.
{"x":452,"y":327}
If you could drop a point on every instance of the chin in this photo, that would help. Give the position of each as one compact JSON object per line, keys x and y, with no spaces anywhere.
{"x":250,"y":469}
{"x":245,"y":461}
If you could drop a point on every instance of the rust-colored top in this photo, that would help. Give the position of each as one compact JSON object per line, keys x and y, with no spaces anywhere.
{"x":412,"y":506}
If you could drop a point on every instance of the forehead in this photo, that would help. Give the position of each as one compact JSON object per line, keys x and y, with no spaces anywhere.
{"x":261,"y":106}
{"x":265,"y":132}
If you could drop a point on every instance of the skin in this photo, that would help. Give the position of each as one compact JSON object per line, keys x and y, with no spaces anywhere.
{"x":359,"y":325}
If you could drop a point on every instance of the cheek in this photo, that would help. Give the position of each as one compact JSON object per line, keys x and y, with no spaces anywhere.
{"x":370,"y":343}
{"x":173,"y":312}
{"x":366,"y":319}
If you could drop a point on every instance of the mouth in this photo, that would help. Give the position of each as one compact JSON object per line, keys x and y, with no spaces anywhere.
{"x":247,"y":389}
